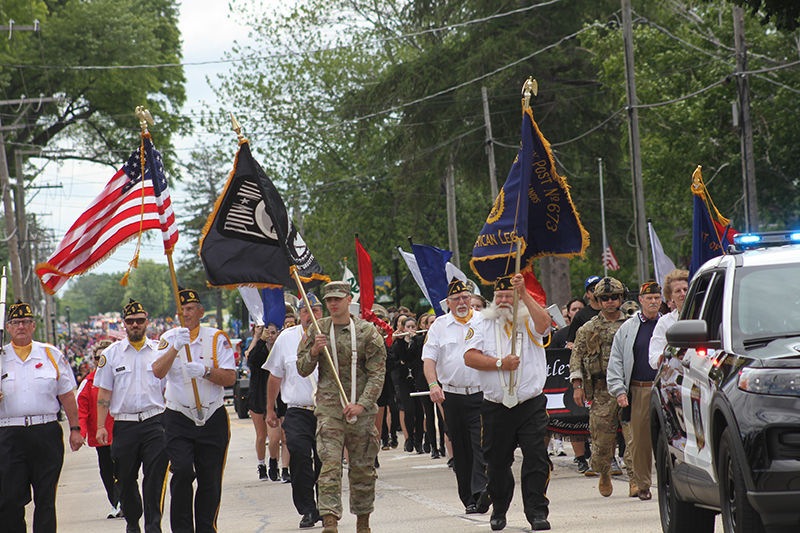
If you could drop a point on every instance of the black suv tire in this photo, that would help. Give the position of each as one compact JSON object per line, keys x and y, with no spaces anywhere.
{"x":738,"y":516}
{"x":677,"y":516}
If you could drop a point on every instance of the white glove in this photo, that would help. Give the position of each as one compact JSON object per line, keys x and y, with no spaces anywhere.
{"x":195,"y":370}
{"x":182,"y":338}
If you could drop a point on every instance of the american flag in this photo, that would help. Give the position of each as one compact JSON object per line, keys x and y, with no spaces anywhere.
{"x":609,"y":259}
{"x":116,"y":216}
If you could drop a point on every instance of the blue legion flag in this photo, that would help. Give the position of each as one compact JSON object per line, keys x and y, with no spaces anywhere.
{"x":431,"y":262}
{"x":274,"y":306}
{"x":534,"y":205}
{"x":711,"y":232}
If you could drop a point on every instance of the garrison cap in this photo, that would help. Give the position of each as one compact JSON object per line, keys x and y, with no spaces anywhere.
{"x":503,"y":284}
{"x":188,"y":296}
{"x":337,"y":289}
{"x":132,"y":308}
{"x":20,"y":310}
{"x":312,"y":299}
{"x":650,"y":287}
{"x":456,"y":286}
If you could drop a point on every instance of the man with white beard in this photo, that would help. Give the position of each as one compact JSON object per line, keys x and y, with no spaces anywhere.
{"x":457,"y":388}
{"x":514,"y":409}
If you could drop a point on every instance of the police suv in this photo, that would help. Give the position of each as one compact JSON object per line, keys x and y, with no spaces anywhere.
{"x":725,"y":406}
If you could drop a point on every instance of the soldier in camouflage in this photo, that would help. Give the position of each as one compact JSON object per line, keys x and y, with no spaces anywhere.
{"x":353,"y":426}
{"x":588,"y":366}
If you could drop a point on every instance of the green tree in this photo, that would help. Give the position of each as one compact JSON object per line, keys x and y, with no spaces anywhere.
{"x":93,"y":294}
{"x":150,"y":284}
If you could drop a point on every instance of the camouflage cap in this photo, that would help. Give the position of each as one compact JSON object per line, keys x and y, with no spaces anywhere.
{"x":132,"y":308}
{"x":336,"y":289}
{"x":608,"y":286}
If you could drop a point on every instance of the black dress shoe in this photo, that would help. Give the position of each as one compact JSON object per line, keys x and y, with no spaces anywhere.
{"x":409,"y":446}
{"x":308,"y":520}
{"x":471,"y":509}
{"x":540,"y":523}
{"x":483,"y":503}
{"x":435,"y":454}
{"x":498,"y":521}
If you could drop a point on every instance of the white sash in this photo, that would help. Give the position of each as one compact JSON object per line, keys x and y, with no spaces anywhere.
{"x":353,"y":357}
{"x":198,"y":417}
{"x":500,"y":346}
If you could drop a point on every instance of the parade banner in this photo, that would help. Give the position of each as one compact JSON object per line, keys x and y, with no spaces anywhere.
{"x":711,"y":232}
{"x":249,"y":238}
{"x":534,"y":206}
{"x":128,"y":205}
{"x":566,"y":417}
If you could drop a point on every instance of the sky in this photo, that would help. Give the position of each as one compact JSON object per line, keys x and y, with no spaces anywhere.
{"x":208,"y":30}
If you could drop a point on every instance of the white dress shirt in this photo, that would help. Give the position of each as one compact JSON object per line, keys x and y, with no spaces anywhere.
{"x":217,"y":354}
{"x":296,"y":391}
{"x":532,"y":372}
{"x":445,"y":345}
{"x":32,"y":387}
{"x":128,"y":374}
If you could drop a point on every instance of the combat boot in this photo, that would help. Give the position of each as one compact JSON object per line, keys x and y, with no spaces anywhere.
{"x":362,"y":523}
{"x":604,"y":486}
{"x":330,"y":523}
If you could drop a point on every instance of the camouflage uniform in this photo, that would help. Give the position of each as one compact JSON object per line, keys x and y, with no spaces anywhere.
{"x":333,"y":431}
{"x":589,"y":362}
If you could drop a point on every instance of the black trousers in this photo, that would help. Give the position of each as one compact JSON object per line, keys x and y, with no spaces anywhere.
{"x":412,"y":407}
{"x":108,"y":474}
{"x":463,"y":416}
{"x":196,"y":452}
{"x":300,"y":426}
{"x":141,"y":444}
{"x":32,"y":456}
{"x":504,"y":429}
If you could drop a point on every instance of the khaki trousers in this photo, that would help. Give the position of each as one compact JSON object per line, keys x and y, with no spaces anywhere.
{"x":642,"y":447}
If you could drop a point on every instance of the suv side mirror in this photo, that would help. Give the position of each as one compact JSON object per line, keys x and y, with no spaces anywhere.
{"x":691,"y":334}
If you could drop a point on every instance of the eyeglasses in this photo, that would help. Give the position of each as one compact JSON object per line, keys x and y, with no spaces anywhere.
{"x":459,"y":298}
{"x":96,"y":357}
{"x":17,"y":323}
{"x":611,"y":297}
{"x":132,"y":321}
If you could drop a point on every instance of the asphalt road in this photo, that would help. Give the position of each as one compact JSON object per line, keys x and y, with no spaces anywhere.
{"x":414,"y":493}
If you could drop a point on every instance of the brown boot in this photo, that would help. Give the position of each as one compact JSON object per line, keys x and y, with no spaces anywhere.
{"x":362,"y":523}
{"x":330,"y":523}
{"x":633,"y":490}
{"x":605,"y":487}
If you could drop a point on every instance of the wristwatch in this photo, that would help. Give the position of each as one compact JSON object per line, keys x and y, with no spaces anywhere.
{"x":499,"y":363}
{"x":208,"y":373}
{"x":577,"y":386}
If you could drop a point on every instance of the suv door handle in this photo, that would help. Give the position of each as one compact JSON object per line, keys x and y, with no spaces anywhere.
{"x":687,"y":363}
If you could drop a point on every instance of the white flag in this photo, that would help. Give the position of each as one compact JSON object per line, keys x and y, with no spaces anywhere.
{"x":661,"y":263}
{"x":355,"y":291}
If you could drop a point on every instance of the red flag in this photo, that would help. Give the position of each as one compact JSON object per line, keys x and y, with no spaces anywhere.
{"x":365,"y":279}
{"x":609,"y":259}
{"x":534,"y":287}
{"x":127,"y":206}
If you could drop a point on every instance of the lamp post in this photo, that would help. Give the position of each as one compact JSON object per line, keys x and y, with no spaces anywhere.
{"x":53,"y":324}
{"x":69,"y":326}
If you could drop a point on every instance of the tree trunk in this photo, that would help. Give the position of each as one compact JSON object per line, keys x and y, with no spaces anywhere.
{"x":555,"y":279}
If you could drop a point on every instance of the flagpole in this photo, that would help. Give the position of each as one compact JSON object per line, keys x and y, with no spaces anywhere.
{"x":517,"y":261}
{"x":144,"y":117}
{"x":603,"y":217}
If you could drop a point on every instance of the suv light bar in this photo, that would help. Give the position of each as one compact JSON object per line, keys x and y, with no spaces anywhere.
{"x":743,"y":241}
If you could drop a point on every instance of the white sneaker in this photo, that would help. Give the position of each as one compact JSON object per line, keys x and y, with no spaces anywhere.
{"x":560,"y":448}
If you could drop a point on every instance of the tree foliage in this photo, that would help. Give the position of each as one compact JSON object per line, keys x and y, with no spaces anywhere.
{"x":96,"y":108}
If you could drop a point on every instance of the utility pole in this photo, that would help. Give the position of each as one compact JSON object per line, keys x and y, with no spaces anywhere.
{"x":452,"y":230}
{"x":603,"y":217}
{"x":633,"y":138}
{"x":489,"y":144}
{"x":746,"y":132}
{"x":12,"y":232}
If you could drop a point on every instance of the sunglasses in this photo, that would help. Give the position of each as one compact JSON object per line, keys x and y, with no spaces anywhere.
{"x":132,"y":321}
{"x":607,"y":298}
{"x":96,"y":357}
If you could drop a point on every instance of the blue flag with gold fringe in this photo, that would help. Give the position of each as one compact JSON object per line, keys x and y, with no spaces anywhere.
{"x":533,"y":205}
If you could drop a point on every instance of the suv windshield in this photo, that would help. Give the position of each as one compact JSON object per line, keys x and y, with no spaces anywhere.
{"x":766,"y":304}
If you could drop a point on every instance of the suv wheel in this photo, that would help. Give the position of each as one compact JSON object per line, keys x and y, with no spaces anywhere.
{"x":676,"y":515}
{"x":738,"y":516}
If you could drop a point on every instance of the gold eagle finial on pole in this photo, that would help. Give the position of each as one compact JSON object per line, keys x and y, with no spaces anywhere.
{"x":529,"y":87}
{"x":236,"y":127}
{"x":144,"y":117}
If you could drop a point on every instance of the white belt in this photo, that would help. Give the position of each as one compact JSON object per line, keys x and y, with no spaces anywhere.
{"x":32,"y":420}
{"x":138,"y":417}
{"x":460,"y":390}
{"x":306,"y":407}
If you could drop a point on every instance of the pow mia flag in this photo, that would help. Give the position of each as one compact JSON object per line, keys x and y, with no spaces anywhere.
{"x":249,"y":238}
